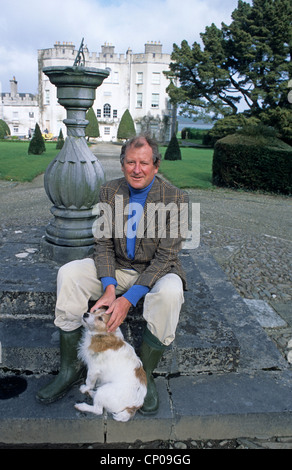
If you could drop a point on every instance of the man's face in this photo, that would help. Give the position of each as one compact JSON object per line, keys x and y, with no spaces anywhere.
{"x":138,"y":167}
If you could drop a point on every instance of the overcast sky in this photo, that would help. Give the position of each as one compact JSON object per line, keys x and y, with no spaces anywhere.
{"x":29,"y":25}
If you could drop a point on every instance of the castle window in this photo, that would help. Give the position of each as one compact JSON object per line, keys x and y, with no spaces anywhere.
{"x":155,"y":78}
{"x":115,"y":113}
{"x":107,"y":110}
{"x":98,"y":113}
{"x":139,"y":100}
{"x":155,"y":100}
{"x":107,"y":131}
{"x":139,"y":78}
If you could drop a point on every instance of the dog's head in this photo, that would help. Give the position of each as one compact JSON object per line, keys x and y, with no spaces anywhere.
{"x":96,"y":321}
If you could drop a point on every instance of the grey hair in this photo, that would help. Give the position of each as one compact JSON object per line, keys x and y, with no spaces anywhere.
{"x":138,"y":142}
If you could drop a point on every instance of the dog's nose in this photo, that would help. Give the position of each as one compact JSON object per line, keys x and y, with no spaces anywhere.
{"x":85,"y":315}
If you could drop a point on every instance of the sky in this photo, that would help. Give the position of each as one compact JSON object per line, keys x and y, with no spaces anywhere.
{"x":26,"y":26}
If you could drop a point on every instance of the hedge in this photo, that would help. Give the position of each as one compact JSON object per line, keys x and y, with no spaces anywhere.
{"x":242,"y":162}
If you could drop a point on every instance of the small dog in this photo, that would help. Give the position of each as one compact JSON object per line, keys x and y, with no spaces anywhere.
{"x":114,"y":363}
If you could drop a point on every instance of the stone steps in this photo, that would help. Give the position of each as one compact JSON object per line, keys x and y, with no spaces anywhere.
{"x":211,"y":382}
{"x":204,"y":341}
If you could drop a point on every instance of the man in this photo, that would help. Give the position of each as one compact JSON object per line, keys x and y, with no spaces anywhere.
{"x":128,"y":264}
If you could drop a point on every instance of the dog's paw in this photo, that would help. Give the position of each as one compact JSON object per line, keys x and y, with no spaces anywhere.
{"x":84,"y":389}
{"x":81,"y":406}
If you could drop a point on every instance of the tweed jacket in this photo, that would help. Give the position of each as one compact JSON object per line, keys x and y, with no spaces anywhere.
{"x":156,"y":254}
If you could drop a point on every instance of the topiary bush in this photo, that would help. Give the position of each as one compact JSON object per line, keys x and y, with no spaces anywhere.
{"x":37,"y":143}
{"x":60,"y":141}
{"x":4,"y":129}
{"x":255,"y":162}
{"x":126,"y":128}
{"x":173,"y":150}
{"x":92,"y":128}
{"x":226,"y":126}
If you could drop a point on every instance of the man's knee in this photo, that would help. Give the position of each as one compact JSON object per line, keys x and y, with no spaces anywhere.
{"x":73,"y":270}
{"x":170,"y":288}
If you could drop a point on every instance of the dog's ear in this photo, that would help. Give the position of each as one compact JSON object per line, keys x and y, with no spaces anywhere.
{"x":100,"y":311}
{"x":106,"y":317}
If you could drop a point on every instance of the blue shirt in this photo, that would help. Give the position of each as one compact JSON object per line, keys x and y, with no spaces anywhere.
{"x":137,"y":202}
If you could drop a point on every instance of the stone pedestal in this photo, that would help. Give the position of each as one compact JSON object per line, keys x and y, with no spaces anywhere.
{"x":73,"y":178}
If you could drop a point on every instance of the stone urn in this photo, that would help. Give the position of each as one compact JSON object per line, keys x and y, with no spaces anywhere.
{"x":72,"y":180}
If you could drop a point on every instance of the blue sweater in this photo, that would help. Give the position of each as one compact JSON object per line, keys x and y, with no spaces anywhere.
{"x":137,"y":201}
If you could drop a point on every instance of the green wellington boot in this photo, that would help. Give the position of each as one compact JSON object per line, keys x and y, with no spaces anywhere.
{"x":150,"y":353}
{"x":71,"y":369}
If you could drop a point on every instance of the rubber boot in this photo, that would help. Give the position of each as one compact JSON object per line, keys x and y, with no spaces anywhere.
{"x":71,"y":369}
{"x":150,"y":353}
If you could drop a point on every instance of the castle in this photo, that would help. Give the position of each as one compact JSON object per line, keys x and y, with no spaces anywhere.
{"x":136,"y":82}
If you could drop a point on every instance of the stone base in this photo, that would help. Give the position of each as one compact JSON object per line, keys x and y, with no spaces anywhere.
{"x":64,"y":254}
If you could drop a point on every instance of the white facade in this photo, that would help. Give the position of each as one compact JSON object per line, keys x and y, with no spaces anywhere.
{"x":19,"y":110}
{"x":136,"y":82}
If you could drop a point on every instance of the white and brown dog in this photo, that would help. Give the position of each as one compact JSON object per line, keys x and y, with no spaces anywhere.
{"x":113,"y":363}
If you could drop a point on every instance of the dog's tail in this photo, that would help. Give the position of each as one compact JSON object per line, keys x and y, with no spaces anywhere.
{"x":126,"y":414}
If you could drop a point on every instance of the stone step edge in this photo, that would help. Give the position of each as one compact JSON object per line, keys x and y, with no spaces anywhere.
{"x":32,"y":345}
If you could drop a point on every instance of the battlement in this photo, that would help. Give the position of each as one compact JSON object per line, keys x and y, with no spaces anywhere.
{"x":66,"y":51}
{"x":15,"y":99}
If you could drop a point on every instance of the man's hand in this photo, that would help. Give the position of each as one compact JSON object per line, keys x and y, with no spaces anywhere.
{"x":119,"y":310}
{"x":106,"y":300}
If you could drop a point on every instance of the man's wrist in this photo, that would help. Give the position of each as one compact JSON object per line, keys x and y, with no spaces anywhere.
{"x":108,"y":281}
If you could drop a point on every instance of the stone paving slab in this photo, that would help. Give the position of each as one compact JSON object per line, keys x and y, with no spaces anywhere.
{"x":217,"y":406}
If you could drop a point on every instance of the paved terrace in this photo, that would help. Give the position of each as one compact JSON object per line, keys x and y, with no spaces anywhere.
{"x":225,"y":377}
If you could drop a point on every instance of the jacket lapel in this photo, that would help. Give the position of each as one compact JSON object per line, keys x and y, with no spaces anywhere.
{"x":147,"y":220}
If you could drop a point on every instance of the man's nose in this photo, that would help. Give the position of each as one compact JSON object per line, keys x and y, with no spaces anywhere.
{"x":137,"y":168}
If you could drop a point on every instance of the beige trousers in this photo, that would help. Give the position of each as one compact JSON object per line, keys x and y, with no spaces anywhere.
{"x":77,"y":283}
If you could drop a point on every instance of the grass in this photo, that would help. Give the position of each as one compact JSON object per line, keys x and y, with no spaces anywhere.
{"x":194,"y":170}
{"x":17,"y":165}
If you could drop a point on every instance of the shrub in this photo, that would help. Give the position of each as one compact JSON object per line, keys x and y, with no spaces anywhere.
{"x":4,"y":129}
{"x":92,"y":128}
{"x":60,"y":141}
{"x":227,"y":126}
{"x":126,"y":128}
{"x":37,"y":143}
{"x":253,"y":162}
{"x":193,"y":133}
{"x":173,"y":151}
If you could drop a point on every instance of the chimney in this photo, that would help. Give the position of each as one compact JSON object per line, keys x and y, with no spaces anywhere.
{"x":13,"y":88}
{"x":153,"y":48}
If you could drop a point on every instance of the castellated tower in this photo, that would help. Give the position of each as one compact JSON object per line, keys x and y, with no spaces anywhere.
{"x":19,"y":110}
{"x":136,"y":82}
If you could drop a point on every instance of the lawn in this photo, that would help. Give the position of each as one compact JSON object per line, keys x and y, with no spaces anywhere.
{"x":194,"y":170}
{"x":17,"y":165}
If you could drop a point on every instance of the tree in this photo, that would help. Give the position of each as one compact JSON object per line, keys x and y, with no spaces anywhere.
{"x":4,"y":129}
{"x":247,"y":62}
{"x":126,"y":128}
{"x":60,"y":141}
{"x":37,"y":143}
{"x":173,"y":151}
{"x":92,"y":128}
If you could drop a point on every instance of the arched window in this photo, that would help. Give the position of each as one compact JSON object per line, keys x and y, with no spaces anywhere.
{"x":107,"y":110}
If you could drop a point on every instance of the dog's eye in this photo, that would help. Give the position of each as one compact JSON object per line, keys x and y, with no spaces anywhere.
{"x":100,"y":318}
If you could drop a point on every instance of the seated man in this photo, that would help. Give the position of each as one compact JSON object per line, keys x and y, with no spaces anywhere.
{"x":140,"y":260}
